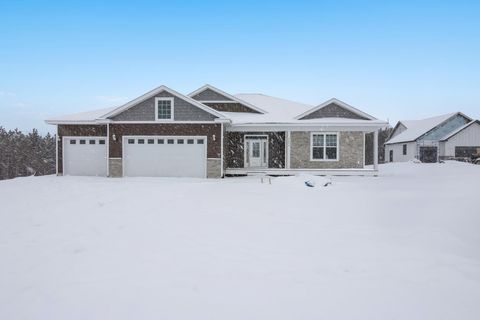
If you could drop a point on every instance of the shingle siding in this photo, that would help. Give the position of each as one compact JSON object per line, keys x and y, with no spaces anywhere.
{"x":333,"y":111}
{"x":183,"y":111}
{"x":230,"y":107}
{"x":210,"y":95}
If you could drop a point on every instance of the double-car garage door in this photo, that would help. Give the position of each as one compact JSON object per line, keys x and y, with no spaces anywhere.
{"x":164,"y":156}
{"x":143,"y":156}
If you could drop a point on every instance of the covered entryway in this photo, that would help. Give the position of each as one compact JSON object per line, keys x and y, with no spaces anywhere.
{"x":165,"y":156}
{"x":428,"y":154}
{"x":85,"y":156}
{"x":256,"y":151}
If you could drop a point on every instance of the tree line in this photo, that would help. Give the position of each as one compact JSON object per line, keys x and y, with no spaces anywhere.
{"x":26,"y":154}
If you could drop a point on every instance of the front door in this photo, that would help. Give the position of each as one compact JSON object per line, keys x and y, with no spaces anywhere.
{"x":256,"y":152}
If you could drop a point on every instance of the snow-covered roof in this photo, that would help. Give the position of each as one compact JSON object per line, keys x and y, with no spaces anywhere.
{"x":282,"y":111}
{"x":225,"y":94}
{"x":417,"y":128}
{"x":278,"y":110}
{"x":275,"y":111}
{"x":451,"y":134}
{"x":89,"y":116}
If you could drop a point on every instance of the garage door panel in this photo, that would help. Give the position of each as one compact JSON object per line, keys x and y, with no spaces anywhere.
{"x":164,"y":159}
{"x":85,"y":156}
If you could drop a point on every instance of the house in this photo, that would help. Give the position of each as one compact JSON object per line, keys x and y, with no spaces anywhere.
{"x":452,"y":135}
{"x":211,"y":133}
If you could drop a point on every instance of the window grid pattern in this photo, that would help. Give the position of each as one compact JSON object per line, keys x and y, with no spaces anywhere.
{"x":164,"y":108}
{"x":325,"y":146}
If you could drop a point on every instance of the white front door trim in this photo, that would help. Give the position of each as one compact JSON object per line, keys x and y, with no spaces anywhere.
{"x":248,"y":138}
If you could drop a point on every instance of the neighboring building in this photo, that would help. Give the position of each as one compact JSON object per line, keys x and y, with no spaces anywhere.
{"x":210,"y":133}
{"x":452,"y":135}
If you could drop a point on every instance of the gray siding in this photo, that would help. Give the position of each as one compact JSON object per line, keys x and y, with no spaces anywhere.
{"x":230,"y":107}
{"x":333,"y":111}
{"x":351,"y":153}
{"x":210,"y":95}
{"x":145,"y":111}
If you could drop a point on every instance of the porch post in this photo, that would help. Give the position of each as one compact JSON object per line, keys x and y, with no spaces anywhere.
{"x":375,"y":150}
{"x":56,"y":151}
{"x":287,"y":150}
{"x":108,"y":149}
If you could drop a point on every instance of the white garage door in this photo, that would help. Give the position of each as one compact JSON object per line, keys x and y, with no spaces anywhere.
{"x":85,"y":156}
{"x":164,"y":156}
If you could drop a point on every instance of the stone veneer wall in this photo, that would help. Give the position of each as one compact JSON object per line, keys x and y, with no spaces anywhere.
{"x":351,"y":153}
{"x":214,"y":168}
{"x":115,"y":167}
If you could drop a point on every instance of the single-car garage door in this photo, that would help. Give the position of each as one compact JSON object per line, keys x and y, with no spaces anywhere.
{"x":85,"y":156}
{"x":164,"y":156}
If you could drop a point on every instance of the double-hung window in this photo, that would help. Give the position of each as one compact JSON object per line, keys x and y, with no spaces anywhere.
{"x":164,"y":109}
{"x":324,"y":146}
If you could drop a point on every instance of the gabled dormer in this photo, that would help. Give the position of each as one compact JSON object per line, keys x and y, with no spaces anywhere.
{"x":334,"y":108}
{"x":222,"y":101}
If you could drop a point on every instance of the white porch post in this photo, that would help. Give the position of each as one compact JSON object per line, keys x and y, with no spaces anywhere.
{"x":108,"y":150}
{"x":56,"y":151}
{"x":375,"y":150}
{"x":287,"y":150}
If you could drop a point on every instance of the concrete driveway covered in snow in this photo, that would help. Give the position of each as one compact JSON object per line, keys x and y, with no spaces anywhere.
{"x":404,"y":245}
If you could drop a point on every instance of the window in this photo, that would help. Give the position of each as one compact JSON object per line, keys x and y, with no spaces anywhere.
{"x":91,"y":142}
{"x":200,"y":141}
{"x":190,"y":141}
{"x":131,"y":141}
{"x":73,"y":141}
{"x":141,"y":141}
{"x":256,"y":149}
{"x":151,"y":141}
{"x":170,"y":141}
{"x":404,"y":149}
{"x":324,"y":146}
{"x":82,"y":141}
{"x":164,"y":108}
{"x":101,"y":141}
{"x":160,"y":141}
{"x":180,"y":141}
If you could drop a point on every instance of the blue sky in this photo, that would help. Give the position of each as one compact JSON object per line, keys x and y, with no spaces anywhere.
{"x":395,"y":60}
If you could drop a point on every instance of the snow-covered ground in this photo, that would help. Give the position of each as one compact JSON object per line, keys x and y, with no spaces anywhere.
{"x":405,"y":245}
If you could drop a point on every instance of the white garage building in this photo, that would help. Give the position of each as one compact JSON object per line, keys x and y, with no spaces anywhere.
{"x":452,"y":135}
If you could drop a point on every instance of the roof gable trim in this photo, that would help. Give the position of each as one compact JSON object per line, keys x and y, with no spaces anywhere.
{"x":340,"y":104}
{"x":454,"y":133}
{"x":155,"y":91}
{"x":223,"y":93}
